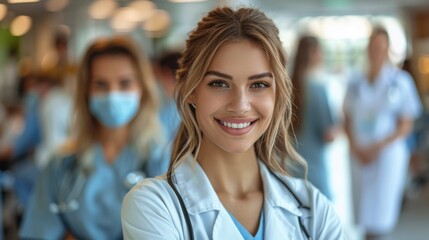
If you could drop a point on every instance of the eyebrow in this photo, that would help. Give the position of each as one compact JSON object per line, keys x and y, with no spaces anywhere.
{"x":226,"y":76}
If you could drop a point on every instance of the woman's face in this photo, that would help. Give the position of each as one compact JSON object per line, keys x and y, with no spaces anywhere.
{"x":115,"y":91}
{"x":235,"y":99}
{"x":378,"y":48}
{"x":113,"y":73}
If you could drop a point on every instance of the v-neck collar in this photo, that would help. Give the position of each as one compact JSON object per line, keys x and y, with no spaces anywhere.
{"x":244,"y":232}
{"x":203,"y":198}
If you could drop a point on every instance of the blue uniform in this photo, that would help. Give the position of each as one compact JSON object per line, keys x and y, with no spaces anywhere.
{"x":170,"y":119}
{"x":317,"y":119}
{"x":31,"y":135}
{"x":83,"y":195}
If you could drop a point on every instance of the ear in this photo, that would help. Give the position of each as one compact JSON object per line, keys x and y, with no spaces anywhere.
{"x":191,"y":101}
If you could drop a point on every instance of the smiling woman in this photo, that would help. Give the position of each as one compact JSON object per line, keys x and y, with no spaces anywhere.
{"x":228,"y":175}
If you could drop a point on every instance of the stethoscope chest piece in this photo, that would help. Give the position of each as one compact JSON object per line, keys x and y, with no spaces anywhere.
{"x":70,"y":206}
{"x":133,"y":178}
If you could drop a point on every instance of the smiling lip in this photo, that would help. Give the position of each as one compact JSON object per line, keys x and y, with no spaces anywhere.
{"x":236,"y":127}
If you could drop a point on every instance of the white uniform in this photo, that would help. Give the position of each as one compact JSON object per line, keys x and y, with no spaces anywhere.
{"x":151,"y":209}
{"x":56,"y":116}
{"x":374,"y":110}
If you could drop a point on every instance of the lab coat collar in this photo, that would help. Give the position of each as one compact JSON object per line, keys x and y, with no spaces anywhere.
{"x":199,"y":195}
{"x":276,"y":193}
{"x":280,"y":207}
{"x":195,"y":187}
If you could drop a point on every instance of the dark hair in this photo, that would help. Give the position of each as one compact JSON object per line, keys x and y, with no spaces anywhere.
{"x":170,"y":61}
{"x":307,"y":45}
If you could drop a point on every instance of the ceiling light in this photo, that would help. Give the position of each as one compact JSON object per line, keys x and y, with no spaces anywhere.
{"x":3,"y":11}
{"x":143,"y":8}
{"x":159,"y":20}
{"x":102,"y":9}
{"x":20,"y":25}
{"x":124,"y":19}
{"x":158,"y":24}
{"x":186,"y":1}
{"x":22,"y":1}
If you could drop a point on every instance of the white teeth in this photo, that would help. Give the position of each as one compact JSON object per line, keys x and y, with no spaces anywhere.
{"x":235,"y":125}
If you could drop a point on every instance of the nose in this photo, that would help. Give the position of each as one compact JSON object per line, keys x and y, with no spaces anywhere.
{"x":239,"y":102}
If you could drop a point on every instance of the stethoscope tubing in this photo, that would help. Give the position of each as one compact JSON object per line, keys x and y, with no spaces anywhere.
{"x":188,"y":219}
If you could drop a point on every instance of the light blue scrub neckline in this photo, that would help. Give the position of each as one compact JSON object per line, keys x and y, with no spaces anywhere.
{"x":246,"y":234}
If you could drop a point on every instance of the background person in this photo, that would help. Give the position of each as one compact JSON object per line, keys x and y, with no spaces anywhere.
{"x":117,"y":140}
{"x":313,"y":123}
{"x":380,"y":106}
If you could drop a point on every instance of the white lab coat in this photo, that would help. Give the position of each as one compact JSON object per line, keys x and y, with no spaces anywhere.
{"x":151,"y":209}
{"x":374,"y":110}
{"x":56,"y":116}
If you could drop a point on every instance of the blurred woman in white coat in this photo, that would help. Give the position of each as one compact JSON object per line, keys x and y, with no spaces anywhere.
{"x":380,"y":106}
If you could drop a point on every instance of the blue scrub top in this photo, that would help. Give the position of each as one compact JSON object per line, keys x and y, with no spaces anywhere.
{"x":30,"y":136}
{"x":243,"y":231}
{"x":317,"y":119}
{"x":170,"y":119}
{"x":97,"y":192}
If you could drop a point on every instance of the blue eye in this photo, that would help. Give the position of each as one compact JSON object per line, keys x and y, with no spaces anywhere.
{"x":260,"y":85}
{"x":218,"y":84}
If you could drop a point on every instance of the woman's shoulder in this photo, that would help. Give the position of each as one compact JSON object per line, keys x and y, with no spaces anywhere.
{"x":148,"y":199}
{"x":149,"y":189}
{"x":150,"y":210}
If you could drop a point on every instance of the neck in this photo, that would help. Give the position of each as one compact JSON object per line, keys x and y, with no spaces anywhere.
{"x":234,"y":174}
{"x":113,"y":141}
{"x":374,"y":70}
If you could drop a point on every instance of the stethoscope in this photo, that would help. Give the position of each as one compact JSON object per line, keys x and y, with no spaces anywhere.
{"x":67,"y":200}
{"x":188,"y":219}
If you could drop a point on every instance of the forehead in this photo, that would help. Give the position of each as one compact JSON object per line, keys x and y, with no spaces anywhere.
{"x":112,"y":62}
{"x":240,"y":58}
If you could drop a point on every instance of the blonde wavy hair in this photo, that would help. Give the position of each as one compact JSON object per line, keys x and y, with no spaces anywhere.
{"x":145,"y":127}
{"x":220,"y":26}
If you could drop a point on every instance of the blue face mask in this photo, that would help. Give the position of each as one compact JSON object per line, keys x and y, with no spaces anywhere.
{"x":115,"y":109}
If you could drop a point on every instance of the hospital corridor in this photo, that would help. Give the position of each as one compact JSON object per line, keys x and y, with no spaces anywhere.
{"x":123,"y":119}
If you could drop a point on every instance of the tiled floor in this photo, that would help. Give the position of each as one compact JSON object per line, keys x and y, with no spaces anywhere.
{"x":414,"y":221}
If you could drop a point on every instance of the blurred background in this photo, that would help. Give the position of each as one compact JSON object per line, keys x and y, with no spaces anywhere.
{"x":38,"y":35}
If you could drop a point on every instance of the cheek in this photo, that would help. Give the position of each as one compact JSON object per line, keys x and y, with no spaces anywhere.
{"x":205,"y":109}
{"x":266,"y":105}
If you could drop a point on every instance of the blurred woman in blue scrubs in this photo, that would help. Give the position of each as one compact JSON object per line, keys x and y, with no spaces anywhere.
{"x":116,"y":143}
{"x":313,"y":122}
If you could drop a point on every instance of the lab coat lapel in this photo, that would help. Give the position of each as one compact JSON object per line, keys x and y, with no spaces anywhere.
{"x":225,"y":227}
{"x":195,"y":188}
{"x":280,"y":208}
{"x":277,"y":225}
